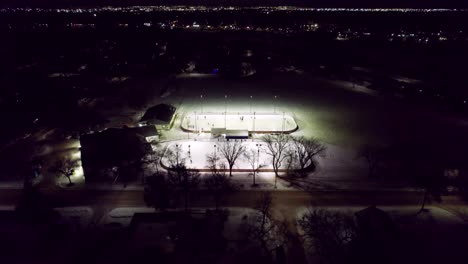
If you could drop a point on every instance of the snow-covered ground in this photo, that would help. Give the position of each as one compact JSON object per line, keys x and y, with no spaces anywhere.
{"x":78,"y":218}
{"x":339,"y":114}
{"x":195,"y":153}
{"x":335,"y":168}
{"x":121,"y":217}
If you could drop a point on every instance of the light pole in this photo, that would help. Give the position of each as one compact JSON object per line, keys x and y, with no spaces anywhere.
{"x":253,"y":123}
{"x":201,"y":103}
{"x":258,"y":154}
{"x":274,"y":105}
{"x":250,"y":104}
{"x":283,"y":122}
{"x":225,"y":111}
{"x":196,"y":125}
{"x":177,"y":154}
{"x":214,"y":152}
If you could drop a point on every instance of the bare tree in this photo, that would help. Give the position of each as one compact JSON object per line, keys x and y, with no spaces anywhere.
{"x":65,"y":167}
{"x":305,"y":149}
{"x":432,"y":180}
{"x":269,"y":233}
{"x":158,"y":191}
{"x":373,"y":156}
{"x":175,"y":156}
{"x":219,"y":185}
{"x":152,"y":160}
{"x":424,"y":166}
{"x":253,"y":158}
{"x":231,"y":151}
{"x":176,"y":160}
{"x":184,"y":181}
{"x":328,"y":234}
{"x":213,"y":163}
{"x":277,"y":148}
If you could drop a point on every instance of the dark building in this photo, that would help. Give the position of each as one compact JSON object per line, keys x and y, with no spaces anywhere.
{"x":114,"y":154}
{"x":176,"y":237}
{"x":377,"y":237}
{"x":161,"y":115}
{"x":374,"y":222}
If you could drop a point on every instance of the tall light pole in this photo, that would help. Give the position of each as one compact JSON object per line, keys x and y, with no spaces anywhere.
{"x":177,"y":154}
{"x":258,"y":154}
{"x":274,"y":105}
{"x":196,"y":125}
{"x":225,"y":111}
{"x":283,"y":122}
{"x":250,"y":104}
{"x":201,"y":103}
{"x":254,"y":123}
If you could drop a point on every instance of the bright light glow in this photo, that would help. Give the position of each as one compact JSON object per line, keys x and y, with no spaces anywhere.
{"x":239,"y":121}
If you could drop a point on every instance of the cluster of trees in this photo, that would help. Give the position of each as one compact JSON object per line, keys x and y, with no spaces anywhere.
{"x":430,"y":168}
{"x":296,"y":154}
{"x":343,"y":237}
{"x":270,"y":234}
{"x":164,"y":189}
{"x":328,"y":234}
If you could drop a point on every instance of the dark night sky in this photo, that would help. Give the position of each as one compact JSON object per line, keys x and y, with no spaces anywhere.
{"x":313,"y":3}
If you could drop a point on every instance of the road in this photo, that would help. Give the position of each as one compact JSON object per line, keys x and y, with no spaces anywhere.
{"x":286,"y":203}
{"x":290,"y":199}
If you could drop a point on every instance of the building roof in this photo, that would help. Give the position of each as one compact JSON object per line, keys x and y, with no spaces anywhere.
{"x":153,"y":230}
{"x":146,"y":131}
{"x":230,"y":133}
{"x":160,"y":112}
{"x":112,"y":147}
{"x":238,"y":133}
{"x":375,"y":222}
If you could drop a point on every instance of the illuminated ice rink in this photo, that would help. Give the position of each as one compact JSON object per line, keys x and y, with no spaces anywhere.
{"x":268,"y":122}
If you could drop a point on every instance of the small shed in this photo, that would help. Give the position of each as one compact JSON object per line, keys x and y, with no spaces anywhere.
{"x":230,"y":133}
{"x":237,"y":134}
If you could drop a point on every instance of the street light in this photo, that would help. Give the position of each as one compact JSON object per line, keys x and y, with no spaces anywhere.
{"x":177,"y":154}
{"x":253,"y":123}
{"x":283,"y":121}
{"x":196,"y":125}
{"x":258,"y":154}
{"x":250,"y":104}
{"x":225,"y":111}
{"x":201,"y":103}
{"x":274,"y":105}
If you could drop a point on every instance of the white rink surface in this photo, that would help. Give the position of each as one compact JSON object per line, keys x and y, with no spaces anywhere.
{"x":204,"y":122}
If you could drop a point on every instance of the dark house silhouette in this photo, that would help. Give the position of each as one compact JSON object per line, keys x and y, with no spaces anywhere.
{"x":176,"y":237}
{"x":377,"y":236}
{"x":114,"y":153}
